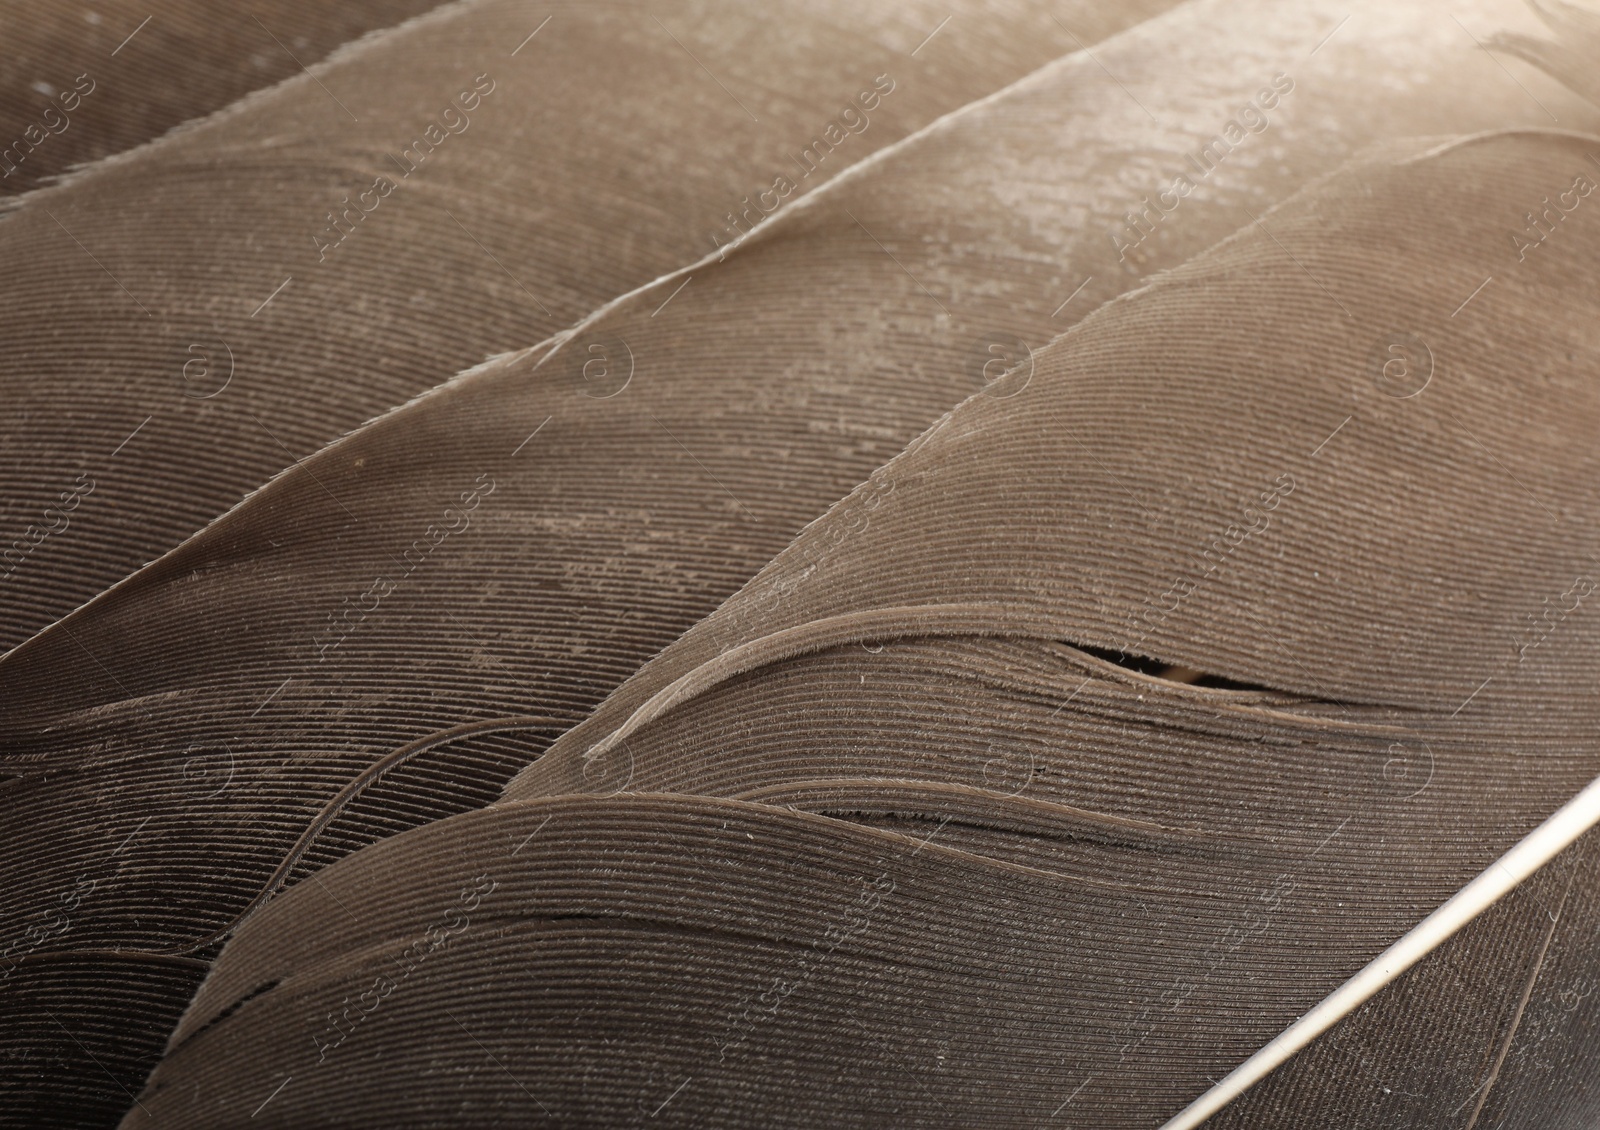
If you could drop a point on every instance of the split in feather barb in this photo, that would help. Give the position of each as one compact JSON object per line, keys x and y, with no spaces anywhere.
{"x":1033,"y":878}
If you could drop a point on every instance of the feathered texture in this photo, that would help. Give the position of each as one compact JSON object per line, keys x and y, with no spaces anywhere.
{"x":378,"y":675}
{"x":1570,"y":57}
{"x":1496,"y":1028}
{"x":927,"y":840}
{"x":1071,"y":771}
{"x":321,"y":252}
{"x":288,"y":773}
{"x":79,"y":82}
{"x":643,"y":941}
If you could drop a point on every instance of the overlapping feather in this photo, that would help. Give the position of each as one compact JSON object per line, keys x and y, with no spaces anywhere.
{"x":934,"y":656}
{"x":188,"y":390}
{"x":321,"y":252}
{"x":1067,"y":884}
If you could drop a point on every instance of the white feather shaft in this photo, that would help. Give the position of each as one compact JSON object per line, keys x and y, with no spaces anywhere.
{"x":1532,"y":852}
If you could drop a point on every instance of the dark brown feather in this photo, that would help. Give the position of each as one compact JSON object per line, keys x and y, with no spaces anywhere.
{"x":1253,"y":846}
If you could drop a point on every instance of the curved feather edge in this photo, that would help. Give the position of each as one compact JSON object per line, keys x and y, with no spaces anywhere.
{"x":548,"y":346}
{"x":343,"y":53}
